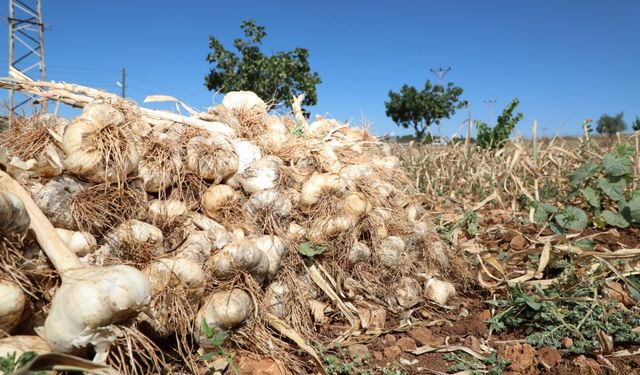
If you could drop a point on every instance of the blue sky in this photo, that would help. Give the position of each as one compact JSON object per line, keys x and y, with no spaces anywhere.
{"x":566,"y":60}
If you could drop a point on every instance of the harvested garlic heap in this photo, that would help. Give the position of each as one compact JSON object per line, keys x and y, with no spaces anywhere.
{"x":162,"y":223}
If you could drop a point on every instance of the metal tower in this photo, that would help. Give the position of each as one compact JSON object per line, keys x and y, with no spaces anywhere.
{"x":489,"y":103}
{"x":27,"y":55}
{"x":440,"y":73}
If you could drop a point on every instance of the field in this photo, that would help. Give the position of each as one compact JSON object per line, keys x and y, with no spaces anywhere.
{"x":537,"y":296}
{"x":260,"y":243}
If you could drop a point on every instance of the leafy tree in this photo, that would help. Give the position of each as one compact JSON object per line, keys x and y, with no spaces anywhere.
{"x":420,"y":109}
{"x":279,"y":76}
{"x":635,"y":125}
{"x":496,"y":137}
{"x":611,"y":125}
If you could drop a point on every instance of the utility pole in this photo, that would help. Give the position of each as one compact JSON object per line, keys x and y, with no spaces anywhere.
{"x":440,"y":73}
{"x":25,"y":28}
{"x":124,"y":77}
{"x":489,"y":103}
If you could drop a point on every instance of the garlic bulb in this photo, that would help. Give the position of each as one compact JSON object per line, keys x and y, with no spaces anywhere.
{"x":98,"y":145}
{"x":274,"y":248}
{"x":216,"y":198}
{"x":235,"y":100}
{"x":276,"y":135}
{"x":408,"y":292}
{"x":322,"y":230}
{"x":247,"y":153}
{"x":275,"y":298}
{"x":356,"y":206}
{"x":218,"y":236}
{"x":88,"y":301}
{"x":197,"y":247}
{"x":319,"y":185}
{"x":358,"y":253}
{"x":136,"y":235}
{"x":239,"y":256}
{"x":81,"y":243}
{"x":166,"y":211}
{"x":187,"y":270}
{"x":18,"y":345}
{"x":415,"y":212}
{"x":351,"y":173}
{"x":269,"y":211}
{"x":12,"y":302}
{"x":212,"y":158}
{"x":439,"y":291}
{"x":387,"y":162}
{"x":160,"y":163}
{"x":14,"y":219}
{"x":54,"y":199}
{"x":390,"y":251}
{"x":223,"y":311}
{"x":261,"y":174}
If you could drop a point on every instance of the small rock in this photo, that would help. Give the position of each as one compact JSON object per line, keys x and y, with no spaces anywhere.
{"x":219,"y":364}
{"x":359,"y":351}
{"x":408,"y":362}
{"x":392,"y":353}
{"x":407,"y":344}
{"x":518,"y":242}
{"x":567,"y":342}
{"x":425,"y":337}
{"x":390,"y":339}
{"x":473,"y":343}
{"x":549,"y":357}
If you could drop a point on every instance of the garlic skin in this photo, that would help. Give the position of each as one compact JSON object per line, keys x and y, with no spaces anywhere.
{"x":19,"y":345}
{"x":90,"y":300}
{"x":223,"y":311}
{"x":14,"y":219}
{"x":81,"y":243}
{"x":239,"y":256}
{"x":12,"y":302}
{"x":213,"y":158}
{"x":136,"y":232}
{"x":81,"y":143}
{"x":317,"y":186}
{"x":218,"y":236}
{"x":274,"y":248}
{"x":261,"y":174}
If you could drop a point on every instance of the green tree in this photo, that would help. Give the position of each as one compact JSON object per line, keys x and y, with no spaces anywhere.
{"x":496,"y":137}
{"x":415,"y":109}
{"x":278,"y":77}
{"x":635,"y":125}
{"x":611,"y":125}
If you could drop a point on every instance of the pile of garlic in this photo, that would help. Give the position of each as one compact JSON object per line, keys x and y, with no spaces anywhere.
{"x":143,"y":210}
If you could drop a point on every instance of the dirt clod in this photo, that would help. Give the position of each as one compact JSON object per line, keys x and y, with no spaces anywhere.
{"x":473,"y":343}
{"x":518,"y":242}
{"x":523,"y":358}
{"x":392,"y":353}
{"x":251,"y":365}
{"x":407,"y":344}
{"x":549,"y":357}
{"x":359,"y":351}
